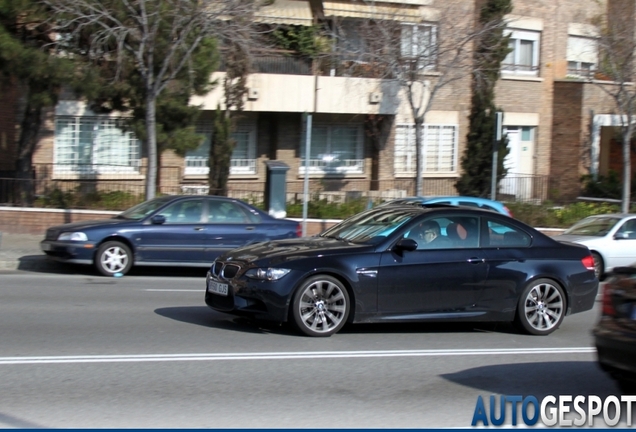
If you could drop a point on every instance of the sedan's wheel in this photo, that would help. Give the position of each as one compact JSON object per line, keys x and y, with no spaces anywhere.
{"x":321,"y":306}
{"x":599,"y":267}
{"x":541,"y":307}
{"x":113,"y":257}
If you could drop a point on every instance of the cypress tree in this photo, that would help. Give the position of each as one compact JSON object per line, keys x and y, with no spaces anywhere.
{"x":490,"y":51}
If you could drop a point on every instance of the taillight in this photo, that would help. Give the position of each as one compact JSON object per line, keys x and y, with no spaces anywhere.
{"x":299,"y":230}
{"x":588,"y":262}
{"x":608,"y":306}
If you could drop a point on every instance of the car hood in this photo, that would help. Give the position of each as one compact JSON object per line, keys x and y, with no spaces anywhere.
{"x":85,"y":225}
{"x":576,"y":238}
{"x":293,"y":249}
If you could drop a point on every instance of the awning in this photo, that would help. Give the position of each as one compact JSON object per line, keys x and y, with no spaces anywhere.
{"x":293,"y":12}
{"x":401,"y":12}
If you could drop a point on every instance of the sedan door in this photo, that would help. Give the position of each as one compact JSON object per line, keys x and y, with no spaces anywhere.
{"x":178,"y":235}
{"x":622,"y":250}
{"x":433,"y":283}
{"x":230,"y":226}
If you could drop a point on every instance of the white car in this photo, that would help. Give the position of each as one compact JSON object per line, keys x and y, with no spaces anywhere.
{"x":611,"y":238}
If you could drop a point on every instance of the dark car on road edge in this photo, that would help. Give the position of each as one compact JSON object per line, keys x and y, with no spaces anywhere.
{"x":176,"y":230}
{"x":615,"y":332}
{"x":377,"y":267}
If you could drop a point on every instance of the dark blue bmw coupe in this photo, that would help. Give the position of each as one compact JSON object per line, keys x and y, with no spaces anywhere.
{"x":408,"y":263}
{"x":166,"y":231}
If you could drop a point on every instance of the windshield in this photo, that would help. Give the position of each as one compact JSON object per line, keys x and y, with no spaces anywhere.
{"x":142,"y":210}
{"x":593,"y":226}
{"x":371,"y":226}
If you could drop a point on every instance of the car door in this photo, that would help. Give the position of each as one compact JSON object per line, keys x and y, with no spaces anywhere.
{"x":623,"y":249}
{"x":430,"y":283}
{"x":229,"y":226}
{"x":178,"y":237}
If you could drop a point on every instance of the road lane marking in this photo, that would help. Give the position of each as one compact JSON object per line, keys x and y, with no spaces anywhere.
{"x":288,"y":355}
{"x":175,"y":290}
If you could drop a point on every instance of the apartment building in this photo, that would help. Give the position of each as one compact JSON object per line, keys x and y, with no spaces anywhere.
{"x":361,"y":129}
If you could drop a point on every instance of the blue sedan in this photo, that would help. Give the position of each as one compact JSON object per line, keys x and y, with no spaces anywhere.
{"x":465,"y":201}
{"x":170,"y":230}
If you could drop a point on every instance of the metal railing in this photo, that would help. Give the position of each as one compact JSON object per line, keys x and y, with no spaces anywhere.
{"x":117,"y":192}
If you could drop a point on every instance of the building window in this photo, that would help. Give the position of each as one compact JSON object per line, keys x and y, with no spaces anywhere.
{"x":419,"y":45}
{"x":439,"y":149}
{"x":243,"y":159}
{"x":92,"y":145}
{"x":523,"y":59}
{"x":334,"y":149}
{"x":582,"y":56}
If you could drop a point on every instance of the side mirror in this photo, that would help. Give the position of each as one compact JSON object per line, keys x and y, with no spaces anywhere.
{"x":406,"y":244}
{"x":158,"y":220}
{"x":621,"y":235}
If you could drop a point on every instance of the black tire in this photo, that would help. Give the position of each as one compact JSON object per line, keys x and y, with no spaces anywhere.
{"x":320,"y":306}
{"x":599,"y":265}
{"x":541,"y":307}
{"x":113,"y":257}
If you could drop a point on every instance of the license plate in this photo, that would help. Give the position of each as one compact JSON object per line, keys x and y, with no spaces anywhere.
{"x":46,"y":247}
{"x":217,"y":288}
{"x":633,"y":314}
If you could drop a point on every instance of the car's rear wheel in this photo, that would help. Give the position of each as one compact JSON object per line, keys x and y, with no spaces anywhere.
{"x":599,"y":265}
{"x":113,"y":258}
{"x":541,"y":308}
{"x":320,"y":306}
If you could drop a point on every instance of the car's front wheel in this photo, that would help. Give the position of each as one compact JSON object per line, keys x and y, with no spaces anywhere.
{"x":541,"y":308}
{"x":113,"y":258}
{"x":320,"y":306}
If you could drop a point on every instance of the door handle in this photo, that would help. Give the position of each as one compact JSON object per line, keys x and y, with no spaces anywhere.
{"x":199,"y":228}
{"x":250,"y":228}
{"x":475,"y":260}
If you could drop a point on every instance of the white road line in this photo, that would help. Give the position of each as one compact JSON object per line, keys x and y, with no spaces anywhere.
{"x":175,"y":290}
{"x":287,"y":355}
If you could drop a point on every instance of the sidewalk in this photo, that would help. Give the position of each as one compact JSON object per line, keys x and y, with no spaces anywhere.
{"x":22,"y":252}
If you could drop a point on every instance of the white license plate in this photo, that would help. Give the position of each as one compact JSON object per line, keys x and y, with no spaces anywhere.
{"x":217,"y":288}
{"x":46,"y":247}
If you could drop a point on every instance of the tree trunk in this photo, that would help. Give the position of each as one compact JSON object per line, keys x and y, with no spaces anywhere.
{"x":30,"y":127}
{"x":151,"y":143}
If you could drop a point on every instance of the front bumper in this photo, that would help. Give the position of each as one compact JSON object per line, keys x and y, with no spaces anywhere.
{"x":69,"y":252}
{"x":268,"y":300}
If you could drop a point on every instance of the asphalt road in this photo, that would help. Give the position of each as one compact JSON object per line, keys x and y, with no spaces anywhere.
{"x":143,"y":351}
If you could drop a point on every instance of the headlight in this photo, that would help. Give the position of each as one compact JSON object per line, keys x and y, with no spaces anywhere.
{"x":73,"y":236}
{"x":270,"y":274}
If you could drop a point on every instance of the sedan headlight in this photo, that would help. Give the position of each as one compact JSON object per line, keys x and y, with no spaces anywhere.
{"x":73,"y":236}
{"x":270,"y":274}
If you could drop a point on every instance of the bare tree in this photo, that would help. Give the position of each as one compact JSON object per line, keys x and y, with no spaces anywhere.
{"x":616,"y":75}
{"x":423,"y":57}
{"x":135,"y":31}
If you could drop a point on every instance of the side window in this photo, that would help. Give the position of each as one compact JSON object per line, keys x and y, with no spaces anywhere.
{"x":628,"y":230}
{"x":504,"y":235}
{"x":446,"y":233}
{"x":184,"y":212}
{"x":226,"y":212}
